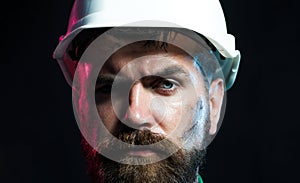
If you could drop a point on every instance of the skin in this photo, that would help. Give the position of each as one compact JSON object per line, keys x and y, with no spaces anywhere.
{"x":146,"y":88}
{"x":160,"y":104}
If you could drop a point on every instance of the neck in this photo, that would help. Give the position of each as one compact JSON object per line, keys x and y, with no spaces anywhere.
{"x":198,"y":177}
{"x":196,"y":180}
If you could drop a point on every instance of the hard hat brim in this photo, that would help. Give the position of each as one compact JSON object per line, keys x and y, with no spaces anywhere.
{"x":229,"y":67}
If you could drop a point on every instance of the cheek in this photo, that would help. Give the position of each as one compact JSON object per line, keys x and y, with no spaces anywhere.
{"x":196,"y":131}
{"x":168,"y":115}
{"x":107,"y":116}
{"x":173,"y":114}
{"x":187,"y":119}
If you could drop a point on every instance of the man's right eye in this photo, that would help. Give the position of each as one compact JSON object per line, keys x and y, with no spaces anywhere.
{"x":104,"y":88}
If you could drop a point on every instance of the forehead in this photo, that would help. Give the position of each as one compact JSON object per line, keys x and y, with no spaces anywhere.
{"x":182,"y":38}
{"x":154,"y":54}
{"x":113,"y":50}
{"x":143,"y":57}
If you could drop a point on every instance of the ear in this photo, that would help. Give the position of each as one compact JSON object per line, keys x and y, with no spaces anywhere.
{"x":216,"y":94}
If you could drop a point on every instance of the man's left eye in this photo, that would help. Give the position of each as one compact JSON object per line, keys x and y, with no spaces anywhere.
{"x":167,"y":85}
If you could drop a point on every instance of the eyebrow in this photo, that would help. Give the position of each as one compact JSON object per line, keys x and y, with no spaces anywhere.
{"x":172,"y":70}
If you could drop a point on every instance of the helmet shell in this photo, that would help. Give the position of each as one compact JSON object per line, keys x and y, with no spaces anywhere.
{"x":205,"y":17}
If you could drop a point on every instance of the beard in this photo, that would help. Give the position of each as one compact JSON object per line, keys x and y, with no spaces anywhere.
{"x":180,"y":167}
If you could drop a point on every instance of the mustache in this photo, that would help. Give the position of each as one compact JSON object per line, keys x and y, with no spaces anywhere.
{"x":140,"y":137}
{"x":123,"y":142}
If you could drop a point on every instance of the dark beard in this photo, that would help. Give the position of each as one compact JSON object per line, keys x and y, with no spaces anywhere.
{"x":180,"y":167}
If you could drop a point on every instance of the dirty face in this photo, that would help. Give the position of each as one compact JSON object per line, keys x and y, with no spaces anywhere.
{"x":144,"y":95}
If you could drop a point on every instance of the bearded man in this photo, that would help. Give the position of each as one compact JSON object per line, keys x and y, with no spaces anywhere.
{"x":148,"y":99}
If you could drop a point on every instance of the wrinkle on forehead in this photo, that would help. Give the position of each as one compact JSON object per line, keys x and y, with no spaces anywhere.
{"x":149,"y":56}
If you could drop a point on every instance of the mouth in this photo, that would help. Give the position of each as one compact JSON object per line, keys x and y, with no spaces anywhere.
{"x":144,"y":152}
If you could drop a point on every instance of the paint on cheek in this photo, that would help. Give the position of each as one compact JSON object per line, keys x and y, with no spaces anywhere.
{"x":202,"y":116}
{"x":81,"y":85}
{"x":201,"y":71}
{"x":195,"y":135}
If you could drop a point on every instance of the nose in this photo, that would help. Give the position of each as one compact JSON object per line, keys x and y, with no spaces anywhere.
{"x":139,"y":114}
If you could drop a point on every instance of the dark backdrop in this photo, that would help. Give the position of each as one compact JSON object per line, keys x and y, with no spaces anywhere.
{"x":258,"y":140}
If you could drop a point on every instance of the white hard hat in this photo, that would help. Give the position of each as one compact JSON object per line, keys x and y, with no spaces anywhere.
{"x":205,"y":17}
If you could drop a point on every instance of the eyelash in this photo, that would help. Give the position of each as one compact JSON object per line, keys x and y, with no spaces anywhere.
{"x":104,"y":88}
{"x":159,"y":88}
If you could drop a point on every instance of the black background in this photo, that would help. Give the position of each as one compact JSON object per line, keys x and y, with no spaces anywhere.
{"x":258,"y":140}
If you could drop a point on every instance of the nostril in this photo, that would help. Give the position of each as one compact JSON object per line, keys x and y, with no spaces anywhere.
{"x":134,"y":120}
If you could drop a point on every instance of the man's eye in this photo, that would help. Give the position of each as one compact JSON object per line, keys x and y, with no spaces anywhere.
{"x":167,"y":85}
{"x":104,"y":88}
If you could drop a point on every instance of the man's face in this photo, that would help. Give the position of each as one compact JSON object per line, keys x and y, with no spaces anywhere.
{"x":144,"y":95}
{"x":166,"y":91}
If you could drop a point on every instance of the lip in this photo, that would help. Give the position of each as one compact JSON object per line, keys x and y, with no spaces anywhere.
{"x":142,"y":152}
